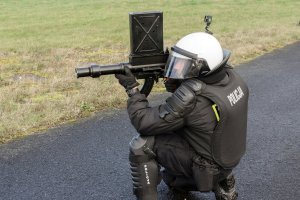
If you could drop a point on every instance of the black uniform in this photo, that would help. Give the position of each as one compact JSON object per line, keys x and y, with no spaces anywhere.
{"x":189,"y":126}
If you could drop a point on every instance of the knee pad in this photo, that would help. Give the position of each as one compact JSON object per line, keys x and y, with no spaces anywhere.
{"x":141,"y":146}
{"x":144,"y":168}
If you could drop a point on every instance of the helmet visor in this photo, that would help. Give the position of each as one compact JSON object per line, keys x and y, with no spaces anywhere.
{"x":180,"y":67}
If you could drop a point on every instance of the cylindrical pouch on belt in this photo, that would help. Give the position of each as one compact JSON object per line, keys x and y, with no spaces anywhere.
{"x":205,"y":173}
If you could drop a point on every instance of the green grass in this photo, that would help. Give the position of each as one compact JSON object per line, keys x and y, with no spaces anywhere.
{"x":49,"y":38}
{"x":39,"y":24}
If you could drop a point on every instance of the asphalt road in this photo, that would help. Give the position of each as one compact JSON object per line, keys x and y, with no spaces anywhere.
{"x":88,"y":159}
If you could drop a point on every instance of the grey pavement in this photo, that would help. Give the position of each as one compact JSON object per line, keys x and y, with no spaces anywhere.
{"x":88,"y":159}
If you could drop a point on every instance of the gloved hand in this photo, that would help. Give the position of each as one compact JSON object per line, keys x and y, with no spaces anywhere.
{"x":127,"y":80}
{"x":172,"y":84}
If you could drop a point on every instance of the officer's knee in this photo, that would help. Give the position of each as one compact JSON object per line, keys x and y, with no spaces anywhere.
{"x":142,"y":146}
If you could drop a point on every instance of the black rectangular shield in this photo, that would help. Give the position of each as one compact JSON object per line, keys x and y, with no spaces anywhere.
{"x":146,"y":38}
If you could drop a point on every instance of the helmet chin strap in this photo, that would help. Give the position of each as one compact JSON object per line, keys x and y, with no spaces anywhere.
{"x":198,"y":62}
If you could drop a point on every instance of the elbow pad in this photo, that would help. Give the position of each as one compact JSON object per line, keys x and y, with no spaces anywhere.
{"x":183,"y":99}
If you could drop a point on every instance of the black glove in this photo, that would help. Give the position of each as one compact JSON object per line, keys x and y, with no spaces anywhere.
{"x":127,"y":80}
{"x":172,"y":84}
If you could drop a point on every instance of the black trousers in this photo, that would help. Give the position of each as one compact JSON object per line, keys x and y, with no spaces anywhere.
{"x":175,"y":155}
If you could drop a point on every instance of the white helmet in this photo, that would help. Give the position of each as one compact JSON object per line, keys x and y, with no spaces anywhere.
{"x":193,"y":55}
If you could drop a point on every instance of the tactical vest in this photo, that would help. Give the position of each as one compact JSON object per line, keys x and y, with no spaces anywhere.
{"x":229,"y":136}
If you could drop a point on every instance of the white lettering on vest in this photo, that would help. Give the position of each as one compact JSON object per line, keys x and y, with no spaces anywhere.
{"x":235,"y":96}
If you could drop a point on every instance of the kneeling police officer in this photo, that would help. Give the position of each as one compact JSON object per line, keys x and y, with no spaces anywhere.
{"x":199,"y":134}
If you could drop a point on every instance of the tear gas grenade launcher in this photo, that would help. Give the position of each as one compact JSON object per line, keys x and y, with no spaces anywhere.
{"x":147,"y":57}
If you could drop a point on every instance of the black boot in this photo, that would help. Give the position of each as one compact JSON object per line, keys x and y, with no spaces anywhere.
{"x":175,"y":194}
{"x":225,"y":189}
